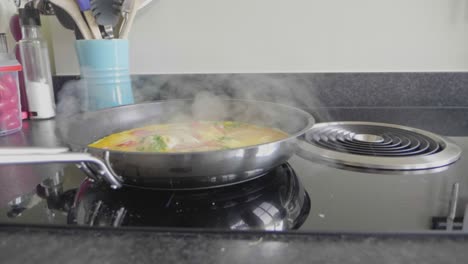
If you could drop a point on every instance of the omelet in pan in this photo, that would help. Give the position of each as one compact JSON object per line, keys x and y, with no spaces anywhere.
{"x":190,"y":137}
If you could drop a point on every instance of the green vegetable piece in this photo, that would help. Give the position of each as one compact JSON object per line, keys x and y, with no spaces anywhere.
{"x":224,"y":139}
{"x":141,"y":148}
{"x":158,"y":144}
{"x":232,"y":124}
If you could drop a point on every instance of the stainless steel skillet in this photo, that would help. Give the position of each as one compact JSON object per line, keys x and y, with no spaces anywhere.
{"x":191,"y":170}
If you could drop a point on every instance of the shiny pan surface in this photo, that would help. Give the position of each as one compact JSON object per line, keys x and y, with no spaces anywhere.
{"x":189,"y":170}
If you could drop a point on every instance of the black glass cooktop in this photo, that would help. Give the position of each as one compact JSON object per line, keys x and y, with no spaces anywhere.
{"x":276,"y":201}
{"x":301,"y":195}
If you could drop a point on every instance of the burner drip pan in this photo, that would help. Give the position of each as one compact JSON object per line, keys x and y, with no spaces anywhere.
{"x":378,"y":146}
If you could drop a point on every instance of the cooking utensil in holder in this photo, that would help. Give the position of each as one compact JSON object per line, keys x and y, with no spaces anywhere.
{"x":105,"y":73}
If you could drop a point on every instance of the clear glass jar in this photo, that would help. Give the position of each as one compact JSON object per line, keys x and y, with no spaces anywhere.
{"x":36,"y":66}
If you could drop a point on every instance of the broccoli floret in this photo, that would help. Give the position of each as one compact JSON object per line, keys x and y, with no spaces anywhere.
{"x":158,"y":144}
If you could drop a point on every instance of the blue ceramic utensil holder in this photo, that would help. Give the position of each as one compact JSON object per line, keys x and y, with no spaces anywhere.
{"x":105,"y":73}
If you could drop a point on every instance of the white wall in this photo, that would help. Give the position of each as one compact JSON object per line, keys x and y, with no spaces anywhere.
{"x":211,"y":36}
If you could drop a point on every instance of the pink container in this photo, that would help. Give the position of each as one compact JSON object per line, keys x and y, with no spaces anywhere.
{"x":10,"y":107}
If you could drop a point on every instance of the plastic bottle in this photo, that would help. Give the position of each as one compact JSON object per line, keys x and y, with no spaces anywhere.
{"x":36,"y":66}
{"x":10,"y":109}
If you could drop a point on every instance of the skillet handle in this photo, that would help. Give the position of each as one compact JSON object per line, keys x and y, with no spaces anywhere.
{"x":60,"y":155}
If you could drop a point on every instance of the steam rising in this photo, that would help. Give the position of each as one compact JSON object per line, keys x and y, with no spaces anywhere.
{"x":208,"y":106}
{"x":291,"y":89}
{"x":208,"y":92}
{"x":69,"y":104}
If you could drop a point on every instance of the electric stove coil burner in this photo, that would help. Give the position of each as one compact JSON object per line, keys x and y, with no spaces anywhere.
{"x":379,"y":146}
{"x":377,"y":141}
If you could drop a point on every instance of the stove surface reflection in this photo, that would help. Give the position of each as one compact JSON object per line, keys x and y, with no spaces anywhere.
{"x":277,"y":201}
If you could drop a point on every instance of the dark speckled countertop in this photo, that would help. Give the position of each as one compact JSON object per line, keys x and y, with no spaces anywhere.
{"x":73,"y":245}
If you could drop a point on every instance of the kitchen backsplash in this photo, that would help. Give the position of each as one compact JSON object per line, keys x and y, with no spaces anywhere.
{"x":245,"y":36}
{"x":309,"y":90}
